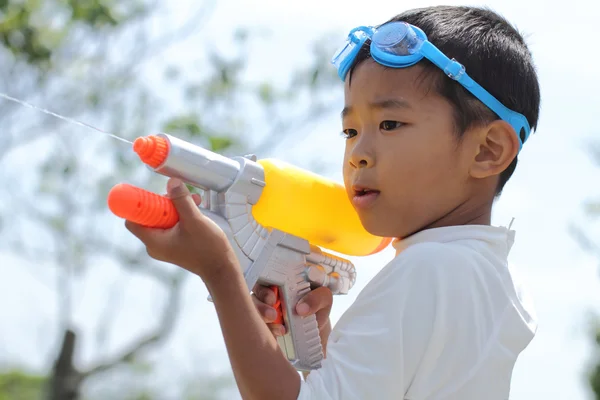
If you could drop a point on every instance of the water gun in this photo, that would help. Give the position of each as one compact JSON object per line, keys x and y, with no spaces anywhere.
{"x":277,"y":218}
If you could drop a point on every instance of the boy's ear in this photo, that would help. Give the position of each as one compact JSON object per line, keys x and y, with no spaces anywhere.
{"x":497,"y":146}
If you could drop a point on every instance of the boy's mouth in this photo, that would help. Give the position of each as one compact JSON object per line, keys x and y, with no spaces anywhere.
{"x":364,"y":196}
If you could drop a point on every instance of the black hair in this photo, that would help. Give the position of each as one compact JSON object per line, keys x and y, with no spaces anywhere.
{"x":494,"y":54}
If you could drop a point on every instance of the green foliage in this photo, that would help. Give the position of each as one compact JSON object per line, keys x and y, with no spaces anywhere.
{"x":142,"y":396}
{"x":19,"y":385}
{"x":266,"y":93}
{"x":221,"y":143}
{"x":594,"y":377}
{"x":187,"y":125}
{"x":93,"y":12}
{"x":589,"y":244}
{"x":20,"y":36}
{"x":592,"y":208}
{"x":28,"y":31}
{"x":593,"y":369}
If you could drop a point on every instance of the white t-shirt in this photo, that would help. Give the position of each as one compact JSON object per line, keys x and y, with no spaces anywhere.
{"x":445,"y":319}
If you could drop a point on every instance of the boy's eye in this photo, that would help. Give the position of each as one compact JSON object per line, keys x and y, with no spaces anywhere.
{"x":349,"y":133}
{"x":390,"y":125}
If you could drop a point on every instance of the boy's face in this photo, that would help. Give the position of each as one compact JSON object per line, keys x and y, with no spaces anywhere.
{"x":401,"y":144}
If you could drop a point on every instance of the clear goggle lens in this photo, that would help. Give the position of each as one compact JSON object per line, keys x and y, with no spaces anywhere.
{"x":397,"y":38}
{"x":354,"y":40}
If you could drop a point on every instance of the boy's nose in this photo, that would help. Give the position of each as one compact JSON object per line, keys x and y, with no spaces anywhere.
{"x":362,"y":155}
{"x":362,"y":160}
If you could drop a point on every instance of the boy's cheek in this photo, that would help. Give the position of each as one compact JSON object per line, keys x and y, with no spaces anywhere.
{"x":347,"y":174}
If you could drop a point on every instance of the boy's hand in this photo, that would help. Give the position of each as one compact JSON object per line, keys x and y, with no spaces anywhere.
{"x":195,"y":243}
{"x":317,"y":301}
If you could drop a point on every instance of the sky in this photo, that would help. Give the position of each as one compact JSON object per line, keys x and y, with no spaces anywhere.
{"x":554,"y":178}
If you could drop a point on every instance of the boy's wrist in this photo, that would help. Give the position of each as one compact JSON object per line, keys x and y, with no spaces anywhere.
{"x":223,"y":276}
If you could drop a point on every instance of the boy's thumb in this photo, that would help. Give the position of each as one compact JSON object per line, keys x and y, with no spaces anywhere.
{"x":181,"y":198}
{"x":314,"y":301}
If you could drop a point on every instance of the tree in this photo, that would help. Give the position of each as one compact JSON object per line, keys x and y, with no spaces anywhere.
{"x":76,"y":68}
{"x":594,"y":376}
{"x":585,"y":239}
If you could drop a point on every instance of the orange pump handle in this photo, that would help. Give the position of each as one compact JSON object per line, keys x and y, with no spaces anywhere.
{"x":142,"y":207}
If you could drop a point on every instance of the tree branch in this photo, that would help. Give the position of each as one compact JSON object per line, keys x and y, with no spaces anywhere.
{"x":160,"y":333}
{"x":143,"y":53}
{"x":131,"y":259}
{"x":584,"y":241}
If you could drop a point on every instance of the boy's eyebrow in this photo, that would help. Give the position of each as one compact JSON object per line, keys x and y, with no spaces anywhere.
{"x":383,"y":104}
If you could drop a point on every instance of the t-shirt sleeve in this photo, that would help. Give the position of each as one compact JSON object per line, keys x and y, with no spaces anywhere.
{"x":397,"y":329}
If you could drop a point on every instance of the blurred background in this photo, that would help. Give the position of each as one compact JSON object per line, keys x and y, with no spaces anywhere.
{"x":86,"y":314}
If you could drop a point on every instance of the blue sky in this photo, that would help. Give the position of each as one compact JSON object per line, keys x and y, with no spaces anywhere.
{"x":555,"y":176}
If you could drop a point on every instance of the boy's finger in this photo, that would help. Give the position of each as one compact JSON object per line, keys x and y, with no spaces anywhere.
{"x":277,"y":329}
{"x":264,"y":294}
{"x":267,"y":313}
{"x":182,"y":199}
{"x":315,"y":300}
{"x":197,"y":199}
{"x":139,"y":231}
{"x":148,"y":236}
{"x":195,"y":196}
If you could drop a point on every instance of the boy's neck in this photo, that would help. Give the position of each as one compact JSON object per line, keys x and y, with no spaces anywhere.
{"x":464,"y":214}
{"x":475,"y":217}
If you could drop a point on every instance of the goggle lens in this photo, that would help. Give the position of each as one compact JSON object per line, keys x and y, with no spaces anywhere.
{"x":397,"y":38}
{"x":356,"y":38}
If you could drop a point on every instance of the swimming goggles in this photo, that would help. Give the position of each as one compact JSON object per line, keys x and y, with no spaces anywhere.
{"x":401,"y":45}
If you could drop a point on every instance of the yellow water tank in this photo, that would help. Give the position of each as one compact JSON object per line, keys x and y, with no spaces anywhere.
{"x":312,"y":207}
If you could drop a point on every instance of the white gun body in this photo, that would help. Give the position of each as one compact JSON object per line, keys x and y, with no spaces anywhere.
{"x":266,"y":255}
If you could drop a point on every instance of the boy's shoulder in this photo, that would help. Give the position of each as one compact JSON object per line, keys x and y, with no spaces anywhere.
{"x":455,"y":250}
{"x":433,"y":253}
{"x":435,"y":259}
{"x":451,"y":268}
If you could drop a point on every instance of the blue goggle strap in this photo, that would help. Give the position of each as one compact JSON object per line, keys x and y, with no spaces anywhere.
{"x":457,"y":72}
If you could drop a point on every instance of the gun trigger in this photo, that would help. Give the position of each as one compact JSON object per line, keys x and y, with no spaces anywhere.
{"x":277,"y":305}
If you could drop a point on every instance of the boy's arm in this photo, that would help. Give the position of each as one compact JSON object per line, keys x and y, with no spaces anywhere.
{"x":372,"y":356}
{"x":378,"y":348}
{"x":411,"y":331}
{"x":260,"y":368}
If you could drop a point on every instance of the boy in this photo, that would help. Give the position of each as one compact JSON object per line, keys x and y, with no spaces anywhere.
{"x":428,"y":148}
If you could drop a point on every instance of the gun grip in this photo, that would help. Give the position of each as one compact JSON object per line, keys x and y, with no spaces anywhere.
{"x":277,"y":305}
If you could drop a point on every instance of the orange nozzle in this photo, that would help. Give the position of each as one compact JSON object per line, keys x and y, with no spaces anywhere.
{"x":152,"y":149}
{"x":142,"y":207}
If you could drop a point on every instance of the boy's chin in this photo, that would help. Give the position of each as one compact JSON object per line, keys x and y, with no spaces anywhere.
{"x":378,"y":226}
{"x":385,"y":227}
